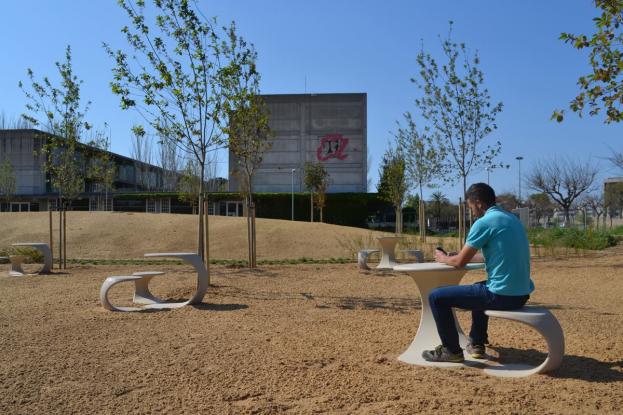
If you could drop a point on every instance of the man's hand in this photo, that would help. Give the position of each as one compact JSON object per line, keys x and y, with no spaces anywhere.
{"x":459,"y":260}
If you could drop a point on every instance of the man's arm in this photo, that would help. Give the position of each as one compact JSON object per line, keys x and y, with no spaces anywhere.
{"x":467,"y":254}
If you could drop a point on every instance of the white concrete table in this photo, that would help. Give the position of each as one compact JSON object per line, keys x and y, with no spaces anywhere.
{"x":427,"y":276}
{"x":45,"y":250}
{"x":388,"y":255}
{"x":202,"y":280}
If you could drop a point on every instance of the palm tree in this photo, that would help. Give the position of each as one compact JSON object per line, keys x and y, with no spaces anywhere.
{"x":438,"y":199}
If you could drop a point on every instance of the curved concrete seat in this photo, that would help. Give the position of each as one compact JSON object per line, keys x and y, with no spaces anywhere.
{"x":142,"y":295}
{"x":546,"y":324}
{"x":109,"y":283}
{"x":363,"y":255}
{"x":45,"y":250}
{"x":16,"y":265}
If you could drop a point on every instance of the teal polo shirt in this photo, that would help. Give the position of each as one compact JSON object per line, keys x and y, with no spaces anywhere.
{"x":504,"y":244}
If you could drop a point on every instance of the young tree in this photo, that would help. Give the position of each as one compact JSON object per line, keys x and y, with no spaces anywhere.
{"x":174,"y":78}
{"x":247,"y":126}
{"x":459,"y":109}
{"x":563,"y":180}
{"x":59,"y":112}
{"x":423,"y":161}
{"x":602,"y":88}
{"x":316,"y":181}
{"x":101,"y":168}
{"x":7,"y":181}
{"x":393,"y":183}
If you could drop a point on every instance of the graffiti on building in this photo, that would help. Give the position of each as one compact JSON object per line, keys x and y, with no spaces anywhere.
{"x":332,"y":146}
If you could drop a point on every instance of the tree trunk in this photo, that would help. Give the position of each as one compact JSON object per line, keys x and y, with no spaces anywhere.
{"x":200,"y":230}
{"x":422,"y":216}
{"x":207,"y":239}
{"x":311,"y":199}
{"x":321,"y":218}
{"x":60,"y":235}
{"x":51,"y":236}
{"x":64,"y":237}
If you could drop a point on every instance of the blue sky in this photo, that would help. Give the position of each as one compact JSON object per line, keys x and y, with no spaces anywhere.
{"x":349,"y":46}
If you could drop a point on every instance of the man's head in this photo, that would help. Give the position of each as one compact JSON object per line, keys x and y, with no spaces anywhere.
{"x":479,"y":197}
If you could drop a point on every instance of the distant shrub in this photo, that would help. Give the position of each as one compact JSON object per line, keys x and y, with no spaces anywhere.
{"x":572,"y":238}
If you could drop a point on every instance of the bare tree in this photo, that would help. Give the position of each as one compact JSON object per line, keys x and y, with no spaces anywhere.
{"x":143,"y":155}
{"x":563,"y":180}
{"x":170,"y":161}
{"x":595,"y":202}
{"x":616,"y":158}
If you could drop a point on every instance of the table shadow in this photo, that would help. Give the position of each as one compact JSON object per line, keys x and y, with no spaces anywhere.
{"x":572,"y":367}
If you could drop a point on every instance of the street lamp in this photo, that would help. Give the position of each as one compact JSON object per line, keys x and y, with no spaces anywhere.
{"x":519,"y":158}
{"x":488,"y":169}
{"x":293,"y":170}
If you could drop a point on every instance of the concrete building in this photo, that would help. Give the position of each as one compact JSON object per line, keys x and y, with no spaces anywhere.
{"x":326,"y":128}
{"x":22,"y":147}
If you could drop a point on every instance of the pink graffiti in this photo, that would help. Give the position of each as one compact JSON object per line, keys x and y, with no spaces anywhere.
{"x":332,"y":146}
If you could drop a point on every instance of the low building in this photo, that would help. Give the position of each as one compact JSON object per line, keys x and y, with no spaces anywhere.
{"x":34,"y":192}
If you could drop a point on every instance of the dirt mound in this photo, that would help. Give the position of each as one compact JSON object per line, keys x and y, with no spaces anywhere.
{"x":120,"y":235}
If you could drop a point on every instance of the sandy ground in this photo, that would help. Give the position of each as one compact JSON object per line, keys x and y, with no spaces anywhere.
{"x":294,"y":339}
{"x":119,"y":235}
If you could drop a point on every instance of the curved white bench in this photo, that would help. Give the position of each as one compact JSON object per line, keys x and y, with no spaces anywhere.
{"x":142,"y":295}
{"x":363,"y":255}
{"x":546,"y":324}
{"x":45,"y":250}
{"x":109,"y":283}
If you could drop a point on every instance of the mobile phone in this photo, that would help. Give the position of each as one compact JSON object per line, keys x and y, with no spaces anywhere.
{"x":442,"y":250}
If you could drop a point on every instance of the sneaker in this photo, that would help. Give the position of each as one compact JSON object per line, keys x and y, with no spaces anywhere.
{"x":477,"y":351}
{"x":441,"y":354}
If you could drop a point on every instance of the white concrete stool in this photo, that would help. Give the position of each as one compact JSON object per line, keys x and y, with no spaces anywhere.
{"x":45,"y":250}
{"x":109,"y":283}
{"x":416,"y":253}
{"x":546,"y":324}
{"x":16,"y":265}
{"x":142,"y":295}
{"x":363,"y":255}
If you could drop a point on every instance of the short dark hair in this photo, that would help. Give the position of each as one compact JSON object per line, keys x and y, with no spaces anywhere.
{"x":482,"y":192}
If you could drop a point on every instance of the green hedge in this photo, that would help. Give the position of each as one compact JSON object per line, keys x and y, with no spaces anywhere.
{"x":573,"y":238}
{"x":348,"y":209}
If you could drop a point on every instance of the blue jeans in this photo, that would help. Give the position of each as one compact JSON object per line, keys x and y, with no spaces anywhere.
{"x":475,"y":297}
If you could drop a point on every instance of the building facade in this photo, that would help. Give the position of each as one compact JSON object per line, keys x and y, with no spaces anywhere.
{"x":34,"y":192}
{"x":326,"y":128}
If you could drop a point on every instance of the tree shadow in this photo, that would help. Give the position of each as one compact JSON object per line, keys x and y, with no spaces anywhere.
{"x":220,"y":307}
{"x":572,"y":367}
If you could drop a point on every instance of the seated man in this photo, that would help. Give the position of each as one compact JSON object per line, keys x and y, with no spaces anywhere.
{"x":504,"y":244}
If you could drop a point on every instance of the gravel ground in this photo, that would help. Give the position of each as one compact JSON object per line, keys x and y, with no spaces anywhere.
{"x":294,"y":339}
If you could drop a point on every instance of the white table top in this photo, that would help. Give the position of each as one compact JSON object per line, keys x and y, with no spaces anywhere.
{"x":435,"y":266}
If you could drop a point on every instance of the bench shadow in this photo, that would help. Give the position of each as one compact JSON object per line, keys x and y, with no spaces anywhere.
{"x":572,"y":367}
{"x":219,"y":307}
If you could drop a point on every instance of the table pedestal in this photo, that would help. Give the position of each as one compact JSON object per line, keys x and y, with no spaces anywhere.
{"x":428,"y":276}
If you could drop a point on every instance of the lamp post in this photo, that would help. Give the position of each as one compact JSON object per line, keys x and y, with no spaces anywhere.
{"x":293,"y":170}
{"x":488,"y":169}
{"x":519,"y":158}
